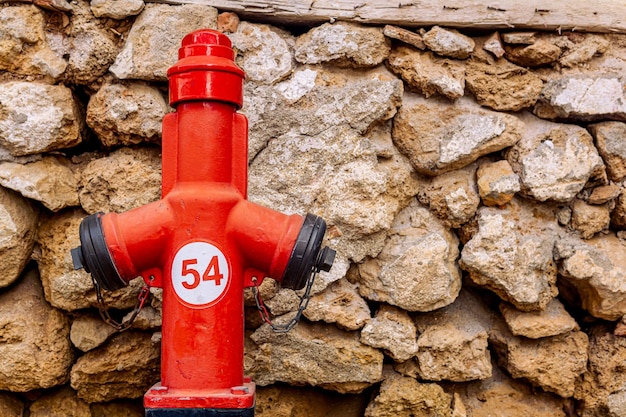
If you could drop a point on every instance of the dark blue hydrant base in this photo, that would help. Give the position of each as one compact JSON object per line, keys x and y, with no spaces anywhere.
{"x":199,"y":412}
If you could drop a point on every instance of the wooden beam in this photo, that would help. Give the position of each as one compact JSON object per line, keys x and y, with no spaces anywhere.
{"x":607,"y":16}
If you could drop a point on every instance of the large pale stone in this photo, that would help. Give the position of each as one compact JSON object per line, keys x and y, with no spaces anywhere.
{"x":452,"y":196}
{"x":416,"y":269}
{"x":450,"y":43}
{"x":125,"y":179}
{"x":36,"y":118}
{"x":343,"y":44}
{"x":427,"y":74}
{"x":116,"y":9}
{"x":265,"y":52}
{"x":393,"y":330}
{"x":554,"y":161}
{"x":63,"y":402}
{"x":438,"y":137}
{"x":124,"y":368}
{"x":89,"y":332}
{"x":340,"y":303}
{"x":313,"y":354}
{"x":595,"y":268}
{"x":497,"y":183}
{"x":584,"y":97}
{"x":511,"y":254}
{"x":552,"y":321}
{"x":553,"y":363}
{"x":18,"y":222}
{"x":34,"y":339}
{"x":609,"y":139}
{"x":23,"y":46}
{"x":502,"y":86}
{"x":64,"y":287}
{"x":126,"y":114}
{"x":152,"y":44}
{"x":452,"y":344}
{"x":50,"y":180}
{"x":401,"y":396}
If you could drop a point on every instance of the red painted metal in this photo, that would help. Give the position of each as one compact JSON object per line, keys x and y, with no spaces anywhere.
{"x":203,"y":233}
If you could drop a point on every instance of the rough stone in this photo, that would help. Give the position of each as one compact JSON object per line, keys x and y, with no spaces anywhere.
{"x":552,"y":321}
{"x":552,"y":363}
{"x":450,"y":43}
{"x":88,"y":332}
{"x":604,"y":193}
{"x":341,"y":304}
{"x":511,"y":254}
{"x":404,"y":35}
{"x":502,"y":86}
{"x":313,"y":354}
{"x":265,"y":52}
{"x":405,"y":397}
{"x":116,"y":9}
{"x":584,"y":98}
{"x":149,"y":318}
{"x":541,"y":52}
{"x":10,"y":406}
{"x":50,"y":181}
{"x":416,"y":270}
{"x":393,"y":330}
{"x":35,"y":347}
{"x":91,"y":46}
{"x":588,"y":219}
{"x":618,"y":215}
{"x":500,"y":393}
{"x":117,"y":409}
{"x":24,"y":49}
{"x":616,"y":403}
{"x":18,"y":223}
{"x":342,"y":44}
{"x":452,"y":345}
{"x":438,"y":137}
{"x":126,"y":114}
{"x":285,"y":401}
{"x":595,"y":268}
{"x":125,"y":179}
{"x":581,"y":52}
{"x":494,"y":45}
{"x":427,"y":74}
{"x":609,"y":139}
{"x":554,"y":161}
{"x":61,"y":402}
{"x":36,"y":118}
{"x":604,"y":376}
{"x":452,"y":196}
{"x":64,"y":287}
{"x":520,"y":38}
{"x":497,"y":183}
{"x":152,"y":44}
{"x":124,"y":368}
{"x":227,"y":22}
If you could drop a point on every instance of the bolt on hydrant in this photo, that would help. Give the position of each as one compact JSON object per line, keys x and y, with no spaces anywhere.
{"x":203,"y":242}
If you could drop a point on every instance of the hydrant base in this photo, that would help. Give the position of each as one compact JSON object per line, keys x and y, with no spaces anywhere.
{"x":220,"y":402}
{"x":199,"y":412}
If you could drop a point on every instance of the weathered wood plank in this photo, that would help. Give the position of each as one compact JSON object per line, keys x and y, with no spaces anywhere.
{"x":577,"y":15}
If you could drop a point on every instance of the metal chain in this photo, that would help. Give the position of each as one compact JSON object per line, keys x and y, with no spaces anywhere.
{"x":304,"y":302}
{"x":104,"y":311}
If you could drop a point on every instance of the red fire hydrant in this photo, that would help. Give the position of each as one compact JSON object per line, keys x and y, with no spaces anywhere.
{"x":203,"y":242}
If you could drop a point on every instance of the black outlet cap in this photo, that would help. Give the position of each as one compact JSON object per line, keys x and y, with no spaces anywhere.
{"x":93,"y":254}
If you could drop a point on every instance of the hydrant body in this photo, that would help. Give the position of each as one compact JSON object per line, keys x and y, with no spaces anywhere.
{"x":203,"y":242}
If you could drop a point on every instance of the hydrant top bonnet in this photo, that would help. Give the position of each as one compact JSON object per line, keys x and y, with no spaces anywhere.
{"x":206,"y":70}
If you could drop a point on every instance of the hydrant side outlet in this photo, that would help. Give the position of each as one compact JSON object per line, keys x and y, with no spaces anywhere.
{"x":203,"y":242}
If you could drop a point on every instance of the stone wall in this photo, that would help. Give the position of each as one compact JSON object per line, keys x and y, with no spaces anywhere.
{"x":473,"y":186}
